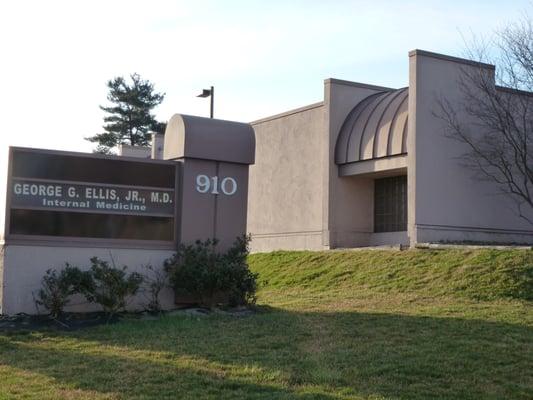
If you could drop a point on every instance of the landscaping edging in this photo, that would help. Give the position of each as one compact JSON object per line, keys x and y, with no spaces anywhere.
{"x":76,"y":321}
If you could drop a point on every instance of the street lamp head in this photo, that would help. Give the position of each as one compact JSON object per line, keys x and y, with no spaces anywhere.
{"x":209,"y":93}
{"x":205,"y":93}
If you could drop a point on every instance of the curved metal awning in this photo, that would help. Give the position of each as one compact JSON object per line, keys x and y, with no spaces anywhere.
{"x":375,"y":128}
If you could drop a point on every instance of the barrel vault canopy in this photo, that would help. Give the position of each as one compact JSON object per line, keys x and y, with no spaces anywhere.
{"x":375,"y":128}
{"x":209,"y":139}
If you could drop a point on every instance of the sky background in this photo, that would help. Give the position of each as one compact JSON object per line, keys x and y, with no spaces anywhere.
{"x":263,"y":57}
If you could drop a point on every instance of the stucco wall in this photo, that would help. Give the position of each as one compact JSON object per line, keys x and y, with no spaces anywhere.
{"x":348,"y":201}
{"x":2,"y":250}
{"x":445,"y":202}
{"x":24,"y":266}
{"x":389,"y":238}
{"x":285,"y":185}
{"x":134,"y":151}
{"x":297,"y":200}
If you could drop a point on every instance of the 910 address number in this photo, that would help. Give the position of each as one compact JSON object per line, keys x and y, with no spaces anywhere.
{"x":214,"y":185}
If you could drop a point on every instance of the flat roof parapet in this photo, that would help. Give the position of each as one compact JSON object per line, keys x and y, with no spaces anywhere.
{"x":418,"y":52}
{"x":287,"y":113}
{"x":356,"y":84}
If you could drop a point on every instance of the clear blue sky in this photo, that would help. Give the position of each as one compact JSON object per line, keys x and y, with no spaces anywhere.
{"x":263,"y":57}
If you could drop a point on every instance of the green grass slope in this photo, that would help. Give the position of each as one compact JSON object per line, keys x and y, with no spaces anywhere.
{"x":337,"y":325}
{"x":474,"y":274}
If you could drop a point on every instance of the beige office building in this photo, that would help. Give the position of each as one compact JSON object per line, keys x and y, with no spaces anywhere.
{"x":371,"y":166}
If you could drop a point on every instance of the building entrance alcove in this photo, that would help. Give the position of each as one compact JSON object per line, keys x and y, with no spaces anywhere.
{"x":372,"y":147}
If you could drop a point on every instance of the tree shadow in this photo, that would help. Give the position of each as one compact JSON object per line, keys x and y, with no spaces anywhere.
{"x":286,"y":354}
{"x":135,"y":377}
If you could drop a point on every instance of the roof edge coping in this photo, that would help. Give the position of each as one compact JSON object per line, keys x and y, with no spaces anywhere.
{"x":287,"y":113}
{"x":418,"y":52}
{"x":355,"y":84}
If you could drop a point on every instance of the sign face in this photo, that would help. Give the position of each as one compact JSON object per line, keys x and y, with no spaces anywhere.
{"x":60,"y":194}
{"x":56,"y":195}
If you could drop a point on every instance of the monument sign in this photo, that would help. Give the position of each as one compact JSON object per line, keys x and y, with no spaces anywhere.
{"x":68,"y":207}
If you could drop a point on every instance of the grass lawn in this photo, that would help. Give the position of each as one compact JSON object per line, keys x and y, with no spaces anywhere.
{"x":333,"y":325}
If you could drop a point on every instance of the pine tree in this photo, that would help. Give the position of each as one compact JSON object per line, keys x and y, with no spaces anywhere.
{"x":129,"y":119}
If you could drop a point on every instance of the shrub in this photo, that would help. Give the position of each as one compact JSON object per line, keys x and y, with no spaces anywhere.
{"x":193,"y":270}
{"x":110,"y":286}
{"x":57,"y":287}
{"x":237,"y":279}
{"x":155,"y":280}
{"x":203,"y":272}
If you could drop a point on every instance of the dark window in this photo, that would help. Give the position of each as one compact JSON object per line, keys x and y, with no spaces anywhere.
{"x":390,"y":204}
{"x":102,"y":226}
{"x":113,"y":170}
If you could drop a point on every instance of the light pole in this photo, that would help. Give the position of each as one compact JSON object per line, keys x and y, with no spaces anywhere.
{"x":209,"y":93}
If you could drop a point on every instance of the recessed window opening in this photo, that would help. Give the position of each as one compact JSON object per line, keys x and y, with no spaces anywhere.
{"x":390,"y":204}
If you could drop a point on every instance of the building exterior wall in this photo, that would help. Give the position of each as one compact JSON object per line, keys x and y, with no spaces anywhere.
{"x":297,"y":199}
{"x":285,"y":186}
{"x":348,"y":201}
{"x":290,"y":209}
{"x":2,"y":251}
{"x":400,"y":238}
{"x":206,"y":216}
{"x":445,"y":202}
{"x":134,"y":151}
{"x":158,"y":144}
{"x":28,"y":264}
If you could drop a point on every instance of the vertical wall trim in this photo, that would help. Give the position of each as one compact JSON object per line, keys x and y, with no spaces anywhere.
{"x":411,"y":150}
{"x":327,"y":159}
{"x":215,"y":215}
{"x":178,"y":198}
{"x":9,"y":184}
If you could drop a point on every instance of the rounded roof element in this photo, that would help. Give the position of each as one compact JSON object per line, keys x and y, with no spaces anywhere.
{"x":376,"y":127}
{"x":209,"y":139}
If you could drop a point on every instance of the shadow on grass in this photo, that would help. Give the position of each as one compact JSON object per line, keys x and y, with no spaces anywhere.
{"x":282,"y":354}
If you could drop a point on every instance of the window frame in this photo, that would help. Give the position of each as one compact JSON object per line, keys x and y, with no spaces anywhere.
{"x":390,"y":204}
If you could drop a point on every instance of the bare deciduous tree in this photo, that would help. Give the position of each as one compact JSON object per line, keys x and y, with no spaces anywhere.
{"x":495,"y":117}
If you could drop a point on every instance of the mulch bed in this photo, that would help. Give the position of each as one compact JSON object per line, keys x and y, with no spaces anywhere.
{"x":68,"y":322}
{"x":76,"y":321}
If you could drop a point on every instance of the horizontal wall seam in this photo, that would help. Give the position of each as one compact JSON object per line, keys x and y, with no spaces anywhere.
{"x":280,"y":234}
{"x":473,"y":228}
